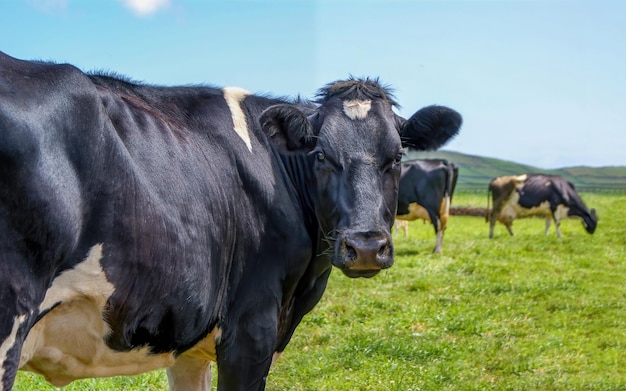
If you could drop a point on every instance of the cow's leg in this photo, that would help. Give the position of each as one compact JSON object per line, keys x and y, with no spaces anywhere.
{"x":245,"y":351}
{"x":243,"y":372}
{"x":12,"y":330}
{"x":557,"y":224}
{"x":401,"y":225}
{"x":21,"y":292}
{"x":548,"y":225}
{"x":18,"y":308}
{"x":492,"y":224}
{"x":439,"y":228}
{"x":442,"y":224}
{"x":189,"y":374}
{"x":509,"y":227}
{"x":439,"y":242}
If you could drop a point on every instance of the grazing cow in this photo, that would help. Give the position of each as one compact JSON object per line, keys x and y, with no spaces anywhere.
{"x":144,"y":227}
{"x":536,"y":195}
{"x":425,"y":192}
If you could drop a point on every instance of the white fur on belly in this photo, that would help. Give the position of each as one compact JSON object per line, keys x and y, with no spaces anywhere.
{"x":68,"y":342}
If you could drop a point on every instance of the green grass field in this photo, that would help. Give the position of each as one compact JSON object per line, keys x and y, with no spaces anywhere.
{"x":529,"y":312}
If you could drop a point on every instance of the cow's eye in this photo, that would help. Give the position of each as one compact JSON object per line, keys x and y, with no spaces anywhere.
{"x":398,"y":158}
{"x":320,"y":156}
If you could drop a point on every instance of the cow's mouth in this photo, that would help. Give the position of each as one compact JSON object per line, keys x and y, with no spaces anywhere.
{"x":360,"y":273}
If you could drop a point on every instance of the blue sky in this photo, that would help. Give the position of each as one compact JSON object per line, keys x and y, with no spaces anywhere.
{"x":537,"y":82}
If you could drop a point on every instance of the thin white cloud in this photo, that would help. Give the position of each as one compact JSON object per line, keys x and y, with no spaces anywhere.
{"x":49,"y":5}
{"x":145,"y":7}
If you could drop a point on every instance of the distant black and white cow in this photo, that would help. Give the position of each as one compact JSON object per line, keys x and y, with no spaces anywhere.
{"x":425,"y":192}
{"x":144,"y":227}
{"x":537,"y":195}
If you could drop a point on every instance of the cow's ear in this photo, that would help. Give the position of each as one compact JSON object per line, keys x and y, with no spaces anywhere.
{"x":288,"y":128}
{"x":430,"y":128}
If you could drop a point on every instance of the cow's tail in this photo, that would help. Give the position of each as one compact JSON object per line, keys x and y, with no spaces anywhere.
{"x":453,"y":176}
{"x":488,"y":211}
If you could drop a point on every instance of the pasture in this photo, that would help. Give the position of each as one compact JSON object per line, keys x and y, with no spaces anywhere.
{"x":527,"y":312}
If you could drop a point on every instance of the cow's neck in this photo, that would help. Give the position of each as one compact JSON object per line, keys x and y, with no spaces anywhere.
{"x":580,"y":211}
{"x":311,"y":285}
{"x":299,"y":171}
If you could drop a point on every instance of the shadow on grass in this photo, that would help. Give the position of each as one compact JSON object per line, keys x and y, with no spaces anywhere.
{"x":405,"y":252}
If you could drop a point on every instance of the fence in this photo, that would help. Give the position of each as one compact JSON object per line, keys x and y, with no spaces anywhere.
{"x":482,"y":189}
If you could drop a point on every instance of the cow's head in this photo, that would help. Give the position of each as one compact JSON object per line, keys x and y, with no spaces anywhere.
{"x":590,"y":222}
{"x":354,"y":143}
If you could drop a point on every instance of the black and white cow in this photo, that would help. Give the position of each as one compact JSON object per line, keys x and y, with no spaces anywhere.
{"x":425,"y":192}
{"x":144,"y":227}
{"x":537,"y":195}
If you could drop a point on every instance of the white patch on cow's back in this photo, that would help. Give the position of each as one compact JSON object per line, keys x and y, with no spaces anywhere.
{"x":9,"y":342}
{"x":357,"y":109}
{"x":233,"y":97}
{"x":68,"y":342}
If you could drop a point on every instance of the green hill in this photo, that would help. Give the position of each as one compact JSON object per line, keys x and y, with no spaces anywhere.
{"x":475,"y":172}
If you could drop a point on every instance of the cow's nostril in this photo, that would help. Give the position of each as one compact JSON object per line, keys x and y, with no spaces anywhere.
{"x":384,"y":250}
{"x":351,"y":253}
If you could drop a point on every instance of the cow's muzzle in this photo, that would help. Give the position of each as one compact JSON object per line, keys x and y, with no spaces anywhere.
{"x":363,"y":254}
